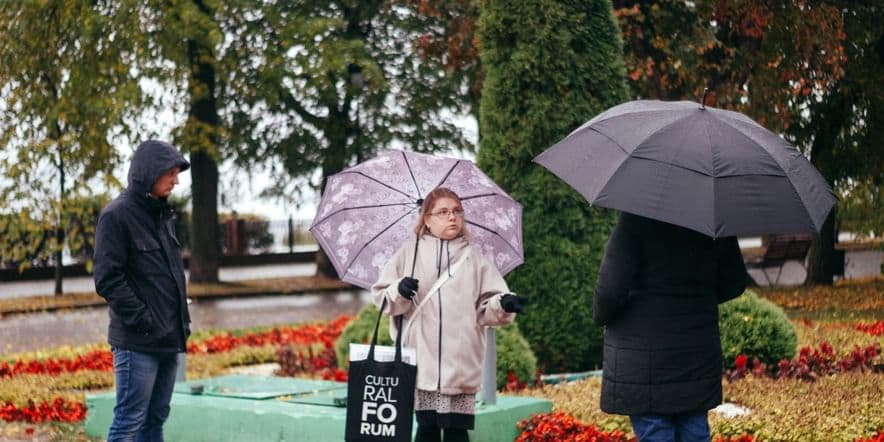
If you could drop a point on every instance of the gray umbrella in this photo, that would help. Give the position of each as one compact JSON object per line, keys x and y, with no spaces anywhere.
{"x":714,"y":171}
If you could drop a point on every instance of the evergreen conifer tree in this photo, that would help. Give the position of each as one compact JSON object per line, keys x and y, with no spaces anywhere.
{"x":549,"y":67}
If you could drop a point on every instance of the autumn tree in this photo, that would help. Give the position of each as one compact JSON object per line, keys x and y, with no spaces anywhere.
{"x":320,"y":85}
{"x":180,"y":44}
{"x":201,"y":134}
{"x":65,"y":87}
{"x":860,"y":207}
{"x":448,"y":36}
{"x":841,"y":127}
{"x":549,"y":67}
{"x":808,"y":70}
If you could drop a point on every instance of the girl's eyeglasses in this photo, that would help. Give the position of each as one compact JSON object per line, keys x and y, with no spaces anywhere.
{"x":445,"y":214}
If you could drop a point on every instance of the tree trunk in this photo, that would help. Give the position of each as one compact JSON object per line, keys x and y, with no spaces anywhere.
{"x":821,"y":257}
{"x":59,"y":267}
{"x":59,"y":229}
{"x":205,"y":245}
{"x":324,"y":265}
{"x":205,"y":238}
{"x":332,"y":163}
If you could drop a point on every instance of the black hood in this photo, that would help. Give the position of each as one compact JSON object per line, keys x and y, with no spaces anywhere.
{"x":152,"y":159}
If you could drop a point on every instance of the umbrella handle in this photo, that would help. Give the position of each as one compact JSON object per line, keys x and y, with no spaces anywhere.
{"x":417,"y":241}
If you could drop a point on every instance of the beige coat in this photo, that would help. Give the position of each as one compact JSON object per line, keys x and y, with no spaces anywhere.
{"x":448,"y":331}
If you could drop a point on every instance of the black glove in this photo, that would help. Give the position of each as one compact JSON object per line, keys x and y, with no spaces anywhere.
{"x":408,"y":287}
{"x":513,"y":303}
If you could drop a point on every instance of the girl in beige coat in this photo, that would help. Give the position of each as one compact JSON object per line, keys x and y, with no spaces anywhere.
{"x":448,"y":329}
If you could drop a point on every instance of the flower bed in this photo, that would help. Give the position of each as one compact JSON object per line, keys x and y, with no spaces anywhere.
{"x":876,"y":438}
{"x":845,"y":398}
{"x":58,"y":410}
{"x":95,"y":360}
{"x":843,"y":402}
{"x":310,"y":362}
{"x":842,"y":407}
{"x":581,"y":400}
{"x":49,"y":386}
{"x":859,"y":296}
{"x":101,"y":359}
{"x":873,"y":328}
{"x":325,"y":334}
{"x":560,"y":426}
{"x":810,"y":364}
{"x":843,"y":334}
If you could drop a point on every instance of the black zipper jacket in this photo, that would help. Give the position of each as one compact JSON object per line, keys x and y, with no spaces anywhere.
{"x":658,"y":293}
{"x":137,"y":262}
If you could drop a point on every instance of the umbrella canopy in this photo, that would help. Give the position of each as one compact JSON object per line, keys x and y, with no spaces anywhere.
{"x":369,"y":210}
{"x":711,"y":170}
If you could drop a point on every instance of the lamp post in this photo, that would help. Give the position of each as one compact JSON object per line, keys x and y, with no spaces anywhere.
{"x":488,"y":393}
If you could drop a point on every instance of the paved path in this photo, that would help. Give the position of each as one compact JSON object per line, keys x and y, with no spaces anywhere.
{"x":77,"y":327}
{"x":857,"y":264}
{"x":86,"y":283}
{"x":40,"y":330}
{"x":83,"y":326}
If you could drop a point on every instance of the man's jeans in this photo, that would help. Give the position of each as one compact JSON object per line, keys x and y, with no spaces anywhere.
{"x":144,"y":389}
{"x":684,"y":427}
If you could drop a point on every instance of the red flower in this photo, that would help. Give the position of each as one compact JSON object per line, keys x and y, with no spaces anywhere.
{"x":513,"y":383}
{"x":103,"y":360}
{"x":96,"y":360}
{"x":741,"y":361}
{"x":325,"y":334}
{"x":873,"y":328}
{"x":57,"y":411}
{"x":561,"y":426}
{"x":743,"y":438}
{"x":876,"y":438}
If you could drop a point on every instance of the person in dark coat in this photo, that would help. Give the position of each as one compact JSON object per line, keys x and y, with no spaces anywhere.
{"x":657,"y":296}
{"x":139,"y":271}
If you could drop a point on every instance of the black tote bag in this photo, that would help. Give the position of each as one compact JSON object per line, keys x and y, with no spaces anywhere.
{"x":380,"y":395}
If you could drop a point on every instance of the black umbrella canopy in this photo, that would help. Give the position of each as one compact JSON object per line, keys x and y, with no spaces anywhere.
{"x":711,"y":170}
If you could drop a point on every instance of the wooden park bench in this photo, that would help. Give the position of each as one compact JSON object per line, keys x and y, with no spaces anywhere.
{"x":777,"y":250}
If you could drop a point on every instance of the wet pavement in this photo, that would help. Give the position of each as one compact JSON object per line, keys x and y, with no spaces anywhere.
{"x":857,"y":264}
{"x":86,"y":284}
{"x":84,"y":326}
{"x":78,"y":327}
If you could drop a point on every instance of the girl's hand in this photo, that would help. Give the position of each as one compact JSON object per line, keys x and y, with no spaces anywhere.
{"x":513,"y":303}
{"x":408,"y":287}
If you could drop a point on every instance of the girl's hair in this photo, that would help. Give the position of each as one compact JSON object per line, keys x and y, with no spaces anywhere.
{"x":440,"y":192}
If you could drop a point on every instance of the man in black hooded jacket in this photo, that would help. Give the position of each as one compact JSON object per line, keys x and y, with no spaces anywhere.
{"x":139,"y":271}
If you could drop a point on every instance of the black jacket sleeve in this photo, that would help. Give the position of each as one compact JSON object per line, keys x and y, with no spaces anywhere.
{"x":732,"y":276}
{"x":110,"y":276}
{"x":617,"y":273}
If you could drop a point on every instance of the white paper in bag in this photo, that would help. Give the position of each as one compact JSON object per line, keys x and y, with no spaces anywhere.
{"x":382,"y":353}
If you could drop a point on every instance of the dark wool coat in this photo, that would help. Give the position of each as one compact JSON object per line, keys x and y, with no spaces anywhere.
{"x":657,"y":296}
{"x":137,"y":262}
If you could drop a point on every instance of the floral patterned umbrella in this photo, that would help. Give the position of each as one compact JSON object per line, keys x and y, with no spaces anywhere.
{"x":369,"y":210}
